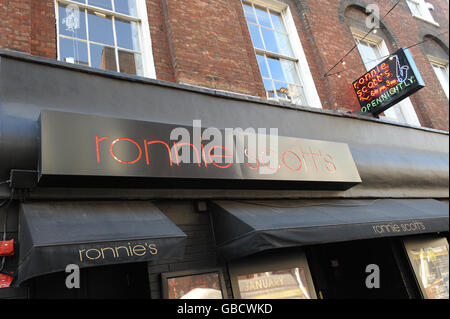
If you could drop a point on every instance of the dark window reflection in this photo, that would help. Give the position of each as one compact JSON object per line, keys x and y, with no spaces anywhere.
{"x":128,"y":62}
{"x":103,"y":57}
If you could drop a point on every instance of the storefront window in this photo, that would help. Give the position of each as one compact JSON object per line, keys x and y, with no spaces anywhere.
{"x":280,"y":274}
{"x":194,"y":285}
{"x":280,"y":284}
{"x":429,"y":259}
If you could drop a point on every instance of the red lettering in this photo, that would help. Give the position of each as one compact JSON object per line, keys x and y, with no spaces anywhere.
{"x":176,"y":152}
{"x":204,"y":156}
{"x":263,"y":162}
{"x":155,"y":142}
{"x":129,"y":140}
{"x":312,"y":154}
{"x":253,"y":158}
{"x":188,"y":144}
{"x":285,"y":164}
{"x":329,"y":160}
{"x":98,"y":140}
{"x":220,"y":156}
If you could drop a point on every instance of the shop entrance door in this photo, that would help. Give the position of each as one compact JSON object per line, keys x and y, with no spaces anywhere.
{"x":339,"y":270}
{"x":123,"y":281}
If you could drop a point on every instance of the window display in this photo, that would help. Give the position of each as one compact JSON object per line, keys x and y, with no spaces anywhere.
{"x":193,"y":285}
{"x":281,"y":284}
{"x":429,"y":259}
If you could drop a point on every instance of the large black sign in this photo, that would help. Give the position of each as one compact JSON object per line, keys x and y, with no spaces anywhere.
{"x":388,"y":83}
{"x":86,"y":150}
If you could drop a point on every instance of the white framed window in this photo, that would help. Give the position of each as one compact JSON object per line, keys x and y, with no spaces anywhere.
{"x":279,"y":53}
{"x":107,"y":34}
{"x":373,"y":50}
{"x":440,"y":68}
{"x":421,"y":9}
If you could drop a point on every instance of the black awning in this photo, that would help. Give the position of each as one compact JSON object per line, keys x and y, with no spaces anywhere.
{"x":55,"y":234}
{"x":247,"y":227}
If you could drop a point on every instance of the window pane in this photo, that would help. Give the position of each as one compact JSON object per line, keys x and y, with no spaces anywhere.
{"x":282,"y":90}
{"x":369,"y":54}
{"x":262,"y":66}
{"x":80,"y":1}
{"x":73,"y":51}
{"x":100,"y":28}
{"x":130,"y":63}
{"x":105,"y":4}
{"x":72,"y":21}
{"x":103,"y":57}
{"x":269,"y":40}
{"x":277,"y":21}
{"x":263,"y":17}
{"x":256,"y":38}
{"x":275,"y":69}
{"x":249,"y":13}
{"x":283,"y":42}
{"x":290,"y":71}
{"x":127,"y":36}
{"x":126,"y":7}
{"x":269,"y":89}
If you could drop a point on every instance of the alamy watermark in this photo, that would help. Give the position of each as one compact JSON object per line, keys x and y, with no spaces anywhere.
{"x":73,"y":279}
{"x":373,"y":279}
{"x":223,"y":148}
{"x":373,"y":16}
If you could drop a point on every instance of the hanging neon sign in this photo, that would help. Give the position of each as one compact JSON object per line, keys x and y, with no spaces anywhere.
{"x":388,"y":83}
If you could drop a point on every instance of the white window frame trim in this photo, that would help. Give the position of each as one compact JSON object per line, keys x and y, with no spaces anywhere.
{"x":423,"y":5}
{"x":309,"y":88}
{"x":405,"y":105}
{"x":145,"y":41}
{"x":439,"y":62}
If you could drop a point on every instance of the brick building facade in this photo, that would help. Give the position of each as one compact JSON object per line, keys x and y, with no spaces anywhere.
{"x":90,"y":91}
{"x":208,"y":44}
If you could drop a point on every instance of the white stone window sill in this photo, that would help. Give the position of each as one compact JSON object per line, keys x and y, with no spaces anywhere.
{"x":426,"y":20}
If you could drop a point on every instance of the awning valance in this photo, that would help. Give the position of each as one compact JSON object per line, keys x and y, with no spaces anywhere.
{"x":247,"y":227}
{"x":56,"y":234}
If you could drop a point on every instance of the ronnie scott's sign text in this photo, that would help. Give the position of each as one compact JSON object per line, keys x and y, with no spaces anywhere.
{"x":388,"y":83}
{"x":112,"y":152}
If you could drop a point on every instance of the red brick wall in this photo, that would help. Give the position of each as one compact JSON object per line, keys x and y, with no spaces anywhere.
{"x":28,"y":26}
{"x":207,"y":43}
{"x":43,"y":29}
{"x":15,"y":25}
{"x":160,"y":45}
{"x":210,"y":46}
